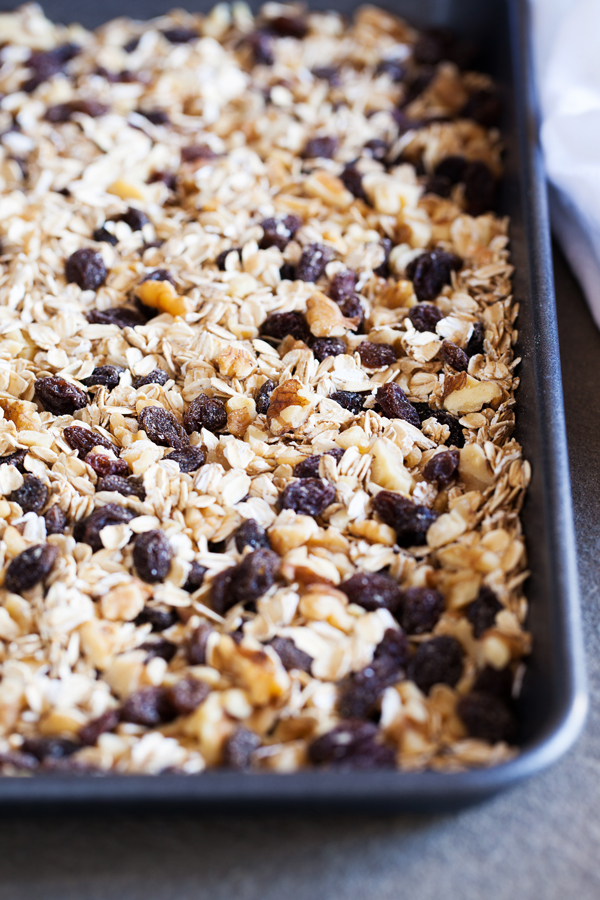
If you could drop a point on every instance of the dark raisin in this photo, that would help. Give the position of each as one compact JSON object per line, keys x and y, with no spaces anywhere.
{"x":308,"y":496}
{"x":131,"y":45}
{"x":263,"y":396}
{"x":189,"y":459}
{"x":205,"y":412}
{"x":484,"y":106}
{"x":194,"y":152}
{"x":451,"y":168}
{"x":376,"y":356}
{"x":394,"y":644}
{"x":160,"y":619}
{"x":104,"y":466}
{"x":49,"y":747}
{"x":430,"y":271}
{"x":86,"y":268}
{"x":31,"y":496}
{"x":425,"y":317}
{"x":486,"y":717}
{"x":457,"y":437}
{"x":291,"y":656}
{"x":60,"y":112}
{"x":498,"y":682}
{"x":309,"y":467}
{"x":482,"y":612}
{"x":167,"y":178}
{"x":475,"y":343}
{"x":187,"y":694}
{"x":125,"y":76}
{"x":135,"y":218}
{"x":58,"y":396}
{"x":279,"y":325}
{"x":383,"y":270}
{"x":343,"y":285}
{"x":108,"y":721}
{"x":442,"y":468}
{"x":238,"y":749}
{"x":29,"y":568}
{"x":15,"y":459}
{"x":120,"y":485}
{"x":350,"y":400}
{"x":84,"y":439}
{"x":63,"y":112}
{"x":452,"y":355}
{"x":195,"y":650}
{"x":437,"y":661}
{"x":377,"y":149}
{"x":372,"y":590}
{"x":156,"y":376}
{"x":162,"y":427}
{"x":250,"y":534}
{"x":323,"y":348}
{"x":409,"y":520}
{"x":88,"y":530}
{"x":152,"y":556}
{"x":149,"y":706}
{"x":220,"y":260}
{"x":313,"y":261}
{"x":107,"y":376}
{"x":279,"y":232}
{"x":48,"y":63}
{"x":161,"y":648}
{"x":320,"y":148}
{"x":351,"y":744}
{"x":288,"y":26}
{"x":352,"y":180}
{"x":437,"y":184}
{"x":395,"y":405}
{"x":217,"y":546}
{"x":352,"y":308}
{"x":360,"y":692}
{"x":121,"y":316}
{"x":480,"y":188}
{"x":155,"y":116}
{"x":421,"y":609}
{"x":287,"y":272}
{"x":195,"y":577}
{"x":394,"y":68}
{"x":55,"y":519}
{"x":261,"y":45}
{"x":246,"y":582}
{"x":328,"y":73}
{"x":180,"y":35}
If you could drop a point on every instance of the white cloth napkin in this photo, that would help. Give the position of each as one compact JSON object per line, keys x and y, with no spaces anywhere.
{"x":566,"y":37}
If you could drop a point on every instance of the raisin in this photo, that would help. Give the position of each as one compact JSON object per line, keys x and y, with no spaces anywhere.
{"x":288,"y":26}
{"x":29,"y":568}
{"x":480,"y":188}
{"x":437,"y":184}
{"x":287,"y":272}
{"x":135,"y":218}
{"x":121,"y":316}
{"x":263,"y":396}
{"x":291,"y":656}
{"x":195,"y":650}
{"x":220,"y":260}
{"x":425,"y":317}
{"x":189,"y":459}
{"x":107,"y":376}
{"x":120,"y":485}
{"x":125,"y":76}
{"x":86,"y":268}
{"x":343,"y":285}
{"x":383,"y":270}
{"x":328,"y":73}
{"x":421,"y":609}
{"x":486,"y":717}
{"x":394,"y":68}
{"x":49,"y":747}
{"x":430,"y":271}
{"x":88,"y":530}
{"x":261,"y":45}
{"x":160,"y":619}
{"x":320,"y":148}
{"x":180,"y":35}
{"x":451,"y":168}
{"x":378,"y":149}
{"x":475,"y":342}
{"x":376,"y":356}
{"x":395,"y":405}
{"x":372,"y":590}
{"x":352,"y":180}
{"x":313,"y":261}
{"x":308,"y":496}
{"x":279,"y":232}
{"x":457,"y":437}
{"x":156,"y":376}
{"x":279,"y":325}
{"x":108,"y":721}
{"x":238,"y":749}
{"x":250,"y":534}
{"x":84,"y":439}
{"x":155,"y":116}
{"x":323,"y":348}
{"x":246,"y":582}
{"x":58,"y":396}
{"x":409,"y":520}
{"x":442,"y":468}
{"x":148,"y":706}
{"x":497,"y":682}
{"x":167,"y":178}
{"x":482,"y":611}
{"x":161,"y":648}
{"x":55,"y":519}
{"x":194,"y":152}
{"x":131,"y":45}
{"x":484,"y":106}
{"x":394,"y":644}
{"x":452,"y":355}
{"x":48,"y":63}
{"x":351,"y":744}
{"x":152,"y":556}
{"x":350,"y":400}
{"x":31,"y":496}
{"x":63,"y":112}
{"x":309,"y":467}
{"x":186,"y":695}
{"x":15,"y":459}
{"x":162,"y":427}
{"x":205,"y":412}
{"x":437,"y":661}
{"x":360,"y":692}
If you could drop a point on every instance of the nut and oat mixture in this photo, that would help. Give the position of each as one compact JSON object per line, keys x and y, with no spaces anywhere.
{"x":259,"y":495}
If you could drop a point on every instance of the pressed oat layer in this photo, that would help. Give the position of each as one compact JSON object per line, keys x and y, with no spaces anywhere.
{"x":259,"y":492}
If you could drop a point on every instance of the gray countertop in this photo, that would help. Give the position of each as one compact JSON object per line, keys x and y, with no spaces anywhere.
{"x":539,"y":842}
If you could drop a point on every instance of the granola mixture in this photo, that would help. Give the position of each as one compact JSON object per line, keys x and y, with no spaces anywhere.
{"x":259,"y":494}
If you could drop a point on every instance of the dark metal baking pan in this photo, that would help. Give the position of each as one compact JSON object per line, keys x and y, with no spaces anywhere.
{"x":554,"y":700}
